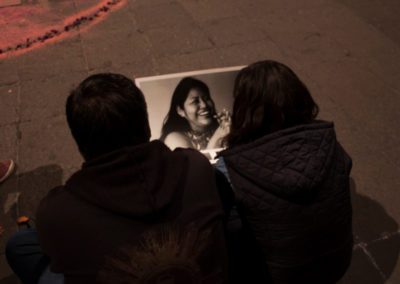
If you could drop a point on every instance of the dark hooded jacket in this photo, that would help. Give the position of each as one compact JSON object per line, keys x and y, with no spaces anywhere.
{"x":140,"y":214}
{"x":292,"y":190}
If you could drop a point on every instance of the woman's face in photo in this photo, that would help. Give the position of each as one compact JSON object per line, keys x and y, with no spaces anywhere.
{"x":198,"y":109}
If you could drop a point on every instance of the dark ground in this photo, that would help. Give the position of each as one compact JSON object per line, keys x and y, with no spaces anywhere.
{"x":346,"y":51}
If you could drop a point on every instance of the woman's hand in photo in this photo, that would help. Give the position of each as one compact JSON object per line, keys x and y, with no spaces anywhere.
{"x":224,"y":119}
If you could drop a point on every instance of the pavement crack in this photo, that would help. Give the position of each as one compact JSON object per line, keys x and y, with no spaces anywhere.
{"x":363,"y":246}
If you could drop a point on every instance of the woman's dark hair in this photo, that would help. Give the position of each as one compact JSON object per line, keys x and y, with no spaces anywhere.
{"x":173,"y":121}
{"x":268,"y":96}
{"x":107,"y":112}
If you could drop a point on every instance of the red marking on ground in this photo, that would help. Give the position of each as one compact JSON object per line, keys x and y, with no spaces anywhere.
{"x":26,"y":27}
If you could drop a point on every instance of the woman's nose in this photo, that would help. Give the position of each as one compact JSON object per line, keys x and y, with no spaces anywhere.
{"x":202,"y":103}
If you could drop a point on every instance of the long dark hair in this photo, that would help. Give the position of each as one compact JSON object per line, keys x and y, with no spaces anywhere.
{"x":173,"y":121}
{"x":268,"y":96}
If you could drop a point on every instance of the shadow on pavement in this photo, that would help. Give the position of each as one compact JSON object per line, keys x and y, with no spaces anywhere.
{"x":35,"y":185}
{"x":12,"y":279}
{"x":26,"y":190}
{"x":377,"y":242}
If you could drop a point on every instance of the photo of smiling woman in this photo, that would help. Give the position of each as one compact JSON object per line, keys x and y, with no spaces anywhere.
{"x":192,"y":121}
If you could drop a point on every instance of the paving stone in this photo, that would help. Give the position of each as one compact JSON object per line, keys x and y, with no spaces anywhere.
{"x":46,"y":97}
{"x":68,"y":172}
{"x":116,"y":50}
{"x":229,"y":31}
{"x":383,"y":15}
{"x":12,"y":279}
{"x":366,"y":43}
{"x":207,"y":10}
{"x":9,"y":67}
{"x":9,"y":211}
{"x":177,"y":40}
{"x":376,"y":178}
{"x":249,"y":52}
{"x":361,"y":270}
{"x":64,"y":7}
{"x":118,"y":19}
{"x":54,"y":59}
{"x":132,"y":70}
{"x":148,"y":3}
{"x":301,"y":36}
{"x":34,"y":185}
{"x":368,"y":99}
{"x":9,"y":103}
{"x":6,"y":274}
{"x":348,"y":133}
{"x":82,"y":5}
{"x":162,"y":15}
{"x":54,"y":145}
{"x":371,"y":222}
{"x":386,"y":254}
{"x":114,"y":47}
{"x":9,"y":142}
{"x":394,"y":278}
{"x":255,"y":8}
{"x":203,"y":59}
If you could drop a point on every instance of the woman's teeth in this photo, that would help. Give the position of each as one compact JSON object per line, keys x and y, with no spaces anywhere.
{"x":204,"y":113}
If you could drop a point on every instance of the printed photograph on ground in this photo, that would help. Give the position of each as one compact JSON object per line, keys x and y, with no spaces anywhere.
{"x":191,"y":109}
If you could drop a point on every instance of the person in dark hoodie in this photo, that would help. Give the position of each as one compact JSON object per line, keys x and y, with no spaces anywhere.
{"x":292,"y":219}
{"x":131,"y":195}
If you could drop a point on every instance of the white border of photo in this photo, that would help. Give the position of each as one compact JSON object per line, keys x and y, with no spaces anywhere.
{"x":141,"y":82}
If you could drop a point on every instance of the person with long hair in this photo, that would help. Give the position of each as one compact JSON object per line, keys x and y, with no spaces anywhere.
{"x":290,"y":177}
{"x":192,"y":121}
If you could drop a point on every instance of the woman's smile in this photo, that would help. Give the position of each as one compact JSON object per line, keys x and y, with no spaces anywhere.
{"x":204,"y":113}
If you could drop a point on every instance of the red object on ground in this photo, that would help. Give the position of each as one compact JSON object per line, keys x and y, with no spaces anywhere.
{"x":31,"y":25}
{"x":22,"y":220}
{"x":6,"y":168}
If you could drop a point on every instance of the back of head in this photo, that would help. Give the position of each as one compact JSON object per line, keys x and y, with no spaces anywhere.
{"x":107,"y":112}
{"x":268,"y":96}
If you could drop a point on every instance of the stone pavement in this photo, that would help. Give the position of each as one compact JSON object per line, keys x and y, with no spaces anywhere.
{"x":346,"y":51}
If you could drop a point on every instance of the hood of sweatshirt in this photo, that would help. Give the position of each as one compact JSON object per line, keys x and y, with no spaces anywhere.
{"x":291,"y":163}
{"x":136,"y":181}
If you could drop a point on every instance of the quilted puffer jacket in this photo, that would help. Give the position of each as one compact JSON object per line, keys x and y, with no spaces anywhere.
{"x":292,"y":189}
